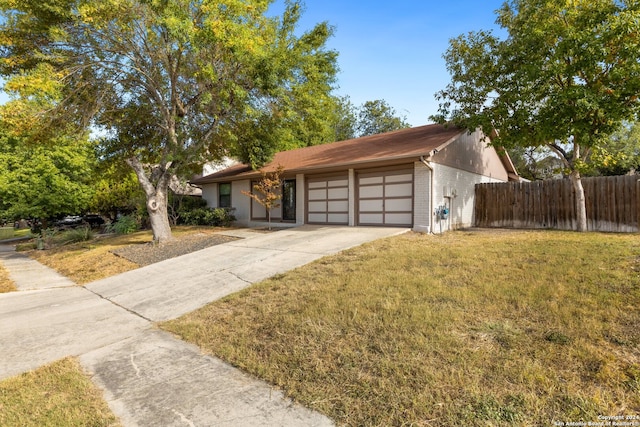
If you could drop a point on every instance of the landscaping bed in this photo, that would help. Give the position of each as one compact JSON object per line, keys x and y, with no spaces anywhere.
{"x":150,"y":253}
{"x":95,"y":259}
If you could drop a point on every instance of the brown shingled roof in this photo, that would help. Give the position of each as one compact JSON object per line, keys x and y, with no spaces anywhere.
{"x":401,"y":144}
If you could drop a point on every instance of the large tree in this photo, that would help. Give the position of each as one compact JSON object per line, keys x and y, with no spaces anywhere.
{"x":172,"y":83}
{"x":620,"y":155}
{"x":378,"y":116}
{"x":44,"y":173}
{"x":566,"y":75}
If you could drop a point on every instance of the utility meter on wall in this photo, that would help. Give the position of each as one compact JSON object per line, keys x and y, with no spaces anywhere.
{"x":442,"y":212}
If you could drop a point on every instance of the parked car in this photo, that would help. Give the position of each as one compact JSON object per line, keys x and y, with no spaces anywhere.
{"x":93,"y":220}
{"x":70,"y":221}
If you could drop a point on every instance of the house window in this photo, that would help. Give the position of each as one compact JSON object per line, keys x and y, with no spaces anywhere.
{"x":224,"y":195}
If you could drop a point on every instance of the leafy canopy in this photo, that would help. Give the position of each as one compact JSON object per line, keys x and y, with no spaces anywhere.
{"x":174,"y":83}
{"x":44,"y":174}
{"x":378,"y":116}
{"x":567,"y":71}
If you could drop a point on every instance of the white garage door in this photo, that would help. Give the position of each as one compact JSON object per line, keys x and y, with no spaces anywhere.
{"x":386,"y":198}
{"x":328,"y":200}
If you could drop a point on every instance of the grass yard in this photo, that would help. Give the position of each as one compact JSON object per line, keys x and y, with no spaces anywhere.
{"x":91,"y":260}
{"x":469,"y":328}
{"x":56,"y":395}
{"x":6,"y":284}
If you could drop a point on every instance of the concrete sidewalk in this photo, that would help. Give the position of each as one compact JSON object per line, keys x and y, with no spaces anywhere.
{"x":28,"y":274}
{"x":148,"y":376}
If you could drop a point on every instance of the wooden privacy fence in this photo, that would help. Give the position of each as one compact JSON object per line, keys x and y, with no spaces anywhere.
{"x":613,"y":204}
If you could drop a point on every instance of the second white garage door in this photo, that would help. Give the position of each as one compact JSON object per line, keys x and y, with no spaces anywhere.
{"x":386,"y":198}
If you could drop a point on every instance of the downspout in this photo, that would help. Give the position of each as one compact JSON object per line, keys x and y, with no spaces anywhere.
{"x":426,"y":163}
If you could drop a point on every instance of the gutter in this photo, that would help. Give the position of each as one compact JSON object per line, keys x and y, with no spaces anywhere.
{"x":425,"y":161}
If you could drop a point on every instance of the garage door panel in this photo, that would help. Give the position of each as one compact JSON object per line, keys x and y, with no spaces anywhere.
{"x":399,"y":205}
{"x":328,"y":200}
{"x":371,"y":180}
{"x":318,"y":217}
{"x":316,"y":184}
{"x":341,"y":218}
{"x":398,"y":190}
{"x":366,"y":218}
{"x":338,"y":206}
{"x":338,"y":193}
{"x":371,"y":205}
{"x":385,"y":197}
{"x":371,"y":191}
{"x":318,"y":206}
{"x":318,"y":194}
{"x":398,"y":218}
{"x":407,"y":177}
{"x":338,"y":183}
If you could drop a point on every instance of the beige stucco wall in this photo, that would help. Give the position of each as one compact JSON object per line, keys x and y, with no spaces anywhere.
{"x":455,"y":189}
{"x":470,"y":153}
{"x":210,"y":194}
{"x":239,"y":201}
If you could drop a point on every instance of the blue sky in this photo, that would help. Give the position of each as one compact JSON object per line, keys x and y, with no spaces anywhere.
{"x":392,"y":50}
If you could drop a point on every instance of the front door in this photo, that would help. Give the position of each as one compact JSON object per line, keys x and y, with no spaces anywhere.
{"x":289,"y":200}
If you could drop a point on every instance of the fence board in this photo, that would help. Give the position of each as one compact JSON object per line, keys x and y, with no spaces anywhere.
{"x":612,"y":203}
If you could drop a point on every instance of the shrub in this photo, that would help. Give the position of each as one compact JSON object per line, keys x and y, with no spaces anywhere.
{"x":126,"y":224}
{"x":219,"y":217}
{"x":80,"y":234}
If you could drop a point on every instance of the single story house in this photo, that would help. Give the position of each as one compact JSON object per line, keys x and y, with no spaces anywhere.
{"x":421,"y":178}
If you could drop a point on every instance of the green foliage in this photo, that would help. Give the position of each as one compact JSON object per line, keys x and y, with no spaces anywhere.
{"x":620,"y":155}
{"x":536,"y":163}
{"x":45,"y":172}
{"x":370,"y":118}
{"x":172,"y":82}
{"x":126,"y":224}
{"x":116,"y":191}
{"x":566,"y":76}
{"x":568,"y":71}
{"x":378,"y":116}
{"x":179,"y":204}
{"x":75,"y":235}
{"x":217,"y":217}
{"x":44,"y":180}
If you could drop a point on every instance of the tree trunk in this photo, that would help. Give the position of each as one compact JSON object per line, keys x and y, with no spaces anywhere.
{"x":159,"y":218}
{"x":580,"y":200}
{"x":157,"y":198}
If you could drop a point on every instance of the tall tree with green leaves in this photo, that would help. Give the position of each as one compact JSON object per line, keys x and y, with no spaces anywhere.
{"x":620,"y":155}
{"x":566,"y":76}
{"x":172,"y":83}
{"x":378,"y":116}
{"x":42,"y":174}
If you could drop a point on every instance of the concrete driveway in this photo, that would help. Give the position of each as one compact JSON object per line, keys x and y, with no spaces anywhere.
{"x":148,"y":376}
{"x":171,"y":288}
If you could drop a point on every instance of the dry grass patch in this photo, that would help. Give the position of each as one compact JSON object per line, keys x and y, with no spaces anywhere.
{"x":92,"y":260}
{"x":522,"y":328}
{"x":6,"y":284}
{"x":56,"y":395}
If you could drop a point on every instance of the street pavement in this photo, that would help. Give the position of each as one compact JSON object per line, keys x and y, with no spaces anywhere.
{"x":149,"y":377}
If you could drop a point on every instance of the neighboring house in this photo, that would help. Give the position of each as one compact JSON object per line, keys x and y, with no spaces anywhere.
{"x":421,"y":178}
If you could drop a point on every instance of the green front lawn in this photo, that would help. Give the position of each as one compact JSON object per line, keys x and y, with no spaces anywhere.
{"x":468,"y":328}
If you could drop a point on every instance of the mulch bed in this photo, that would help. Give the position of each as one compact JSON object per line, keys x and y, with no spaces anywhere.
{"x":149,"y":253}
